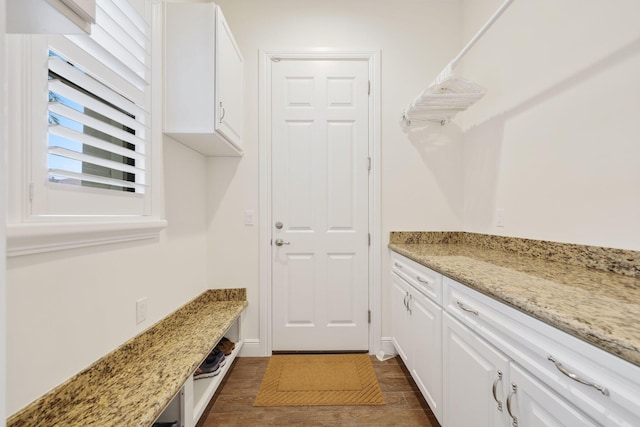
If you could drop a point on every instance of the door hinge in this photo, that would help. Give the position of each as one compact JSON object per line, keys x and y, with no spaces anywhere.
{"x":369,"y":316}
{"x":369,"y":239}
{"x":369,"y":165}
{"x":369,"y":88}
{"x":31,"y":192}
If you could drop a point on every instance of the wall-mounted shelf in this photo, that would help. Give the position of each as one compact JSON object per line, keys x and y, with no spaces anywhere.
{"x":441,"y":102}
{"x":448,"y":94}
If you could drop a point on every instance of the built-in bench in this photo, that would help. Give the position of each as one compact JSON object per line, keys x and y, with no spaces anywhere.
{"x":133,"y":385}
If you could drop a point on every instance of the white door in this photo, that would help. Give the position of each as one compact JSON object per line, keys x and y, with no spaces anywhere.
{"x":320,"y":157}
{"x":472,"y":370}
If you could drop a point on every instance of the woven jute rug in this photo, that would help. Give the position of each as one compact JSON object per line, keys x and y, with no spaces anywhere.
{"x":319,"y":380}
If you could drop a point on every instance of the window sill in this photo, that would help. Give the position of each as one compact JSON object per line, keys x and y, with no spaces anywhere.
{"x":33,"y":238}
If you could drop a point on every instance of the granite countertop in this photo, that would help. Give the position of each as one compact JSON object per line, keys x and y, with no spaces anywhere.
{"x":599,"y":307}
{"x":132,"y":385}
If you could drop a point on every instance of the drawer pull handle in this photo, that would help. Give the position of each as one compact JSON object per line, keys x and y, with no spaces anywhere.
{"x":421,"y":280}
{"x":576,"y":377}
{"x":494,"y":390}
{"x":465,"y":308}
{"x":514,"y":389}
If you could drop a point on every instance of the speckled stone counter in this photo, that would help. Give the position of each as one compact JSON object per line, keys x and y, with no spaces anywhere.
{"x":132,"y":385}
{"x":589,"y":292}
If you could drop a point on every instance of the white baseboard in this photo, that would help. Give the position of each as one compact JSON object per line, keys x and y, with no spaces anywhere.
{"x":387,"y":347}
{"x":252,"y":348}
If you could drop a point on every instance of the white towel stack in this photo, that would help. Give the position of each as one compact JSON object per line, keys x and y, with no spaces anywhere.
{"x":443,"y":99}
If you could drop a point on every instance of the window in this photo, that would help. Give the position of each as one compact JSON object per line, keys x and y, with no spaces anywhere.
{"x":92,"y":140}
{"x":86,"y":127}
{"x":97,"y":150}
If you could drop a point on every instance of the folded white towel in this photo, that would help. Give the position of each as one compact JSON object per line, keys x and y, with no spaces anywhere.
{"x":444,"y":98}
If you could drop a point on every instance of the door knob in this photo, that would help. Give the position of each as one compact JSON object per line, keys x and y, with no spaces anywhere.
{"x":279,"y":225}
{"x":280,"y":242}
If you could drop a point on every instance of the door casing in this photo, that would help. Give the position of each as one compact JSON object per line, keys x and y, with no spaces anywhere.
{"x":264,"y":345}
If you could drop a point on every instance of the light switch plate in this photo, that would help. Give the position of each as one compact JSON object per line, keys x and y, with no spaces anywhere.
{"x":248,"y":217}
{"x":500,"y":217}
{"x":141,"y":310}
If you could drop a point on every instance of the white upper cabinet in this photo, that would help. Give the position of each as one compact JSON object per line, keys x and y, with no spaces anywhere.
{"x":50,"y":16}
{"x":203,"y":80}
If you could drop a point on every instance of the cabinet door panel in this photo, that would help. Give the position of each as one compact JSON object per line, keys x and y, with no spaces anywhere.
{"x":534,"y":404}
{"x":400,"y":317}
{"x":470,"y":368}
{"x":229,"y":67}
{"x":426,"y":359}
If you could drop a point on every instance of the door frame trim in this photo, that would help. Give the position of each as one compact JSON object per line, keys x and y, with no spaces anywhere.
{"x":264,"y":140}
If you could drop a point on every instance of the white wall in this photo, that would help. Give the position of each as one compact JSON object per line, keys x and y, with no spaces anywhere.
{"x":421,"y":172}
{"x":69,"y":308}
{"x":555,"y":140}
{"x":3,"y":199}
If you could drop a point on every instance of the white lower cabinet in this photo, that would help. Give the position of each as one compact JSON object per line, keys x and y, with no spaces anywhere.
{"x":479,"y":362}
{"x":427,"y":350}
{"x":417,"y":337}
{"x":559,"y":379}
{"x":474,"y":378}
{"x":484,"y":388}
{"x":532,"y":404}
{"x":401,"y":320}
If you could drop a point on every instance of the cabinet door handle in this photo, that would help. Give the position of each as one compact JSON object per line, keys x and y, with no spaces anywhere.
{"x":465,"y":308}
{"x":398,"y":265}
{"x":514,"y":419}
{"x":576,"y":377}
{"x":409,"y":304}
{"x":494,"y":390}
{"x":406,"y":304}
{"x":223,"y":112}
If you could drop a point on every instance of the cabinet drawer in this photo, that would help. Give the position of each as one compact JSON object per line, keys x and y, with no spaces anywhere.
{"x":604,"y":386}
{"x":420,"y":277}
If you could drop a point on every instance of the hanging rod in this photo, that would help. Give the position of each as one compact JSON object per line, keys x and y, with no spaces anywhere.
{"x":408,"y":121}
{"x":481,"y":32}
{"x":454,"y":62}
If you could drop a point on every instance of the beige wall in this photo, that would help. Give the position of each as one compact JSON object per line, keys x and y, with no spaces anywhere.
{"x":3,"y":198}
{"x":67,"y":309}
{"x":555,"y":140}
{"x":421,"y":173}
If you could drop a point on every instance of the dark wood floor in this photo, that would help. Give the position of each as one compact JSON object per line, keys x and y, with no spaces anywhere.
{"x":233,"y":403}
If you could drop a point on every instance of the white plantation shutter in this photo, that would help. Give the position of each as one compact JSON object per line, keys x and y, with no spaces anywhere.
{"x":99,"y":117}
{"x":81,"y":127}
